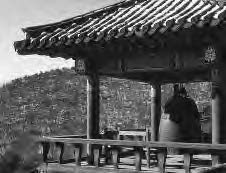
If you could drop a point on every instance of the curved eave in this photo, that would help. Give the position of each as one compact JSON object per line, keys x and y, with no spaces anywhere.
{"x":142,"y":18}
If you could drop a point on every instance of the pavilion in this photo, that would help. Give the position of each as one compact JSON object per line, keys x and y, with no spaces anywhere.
{"x":153,"y":41}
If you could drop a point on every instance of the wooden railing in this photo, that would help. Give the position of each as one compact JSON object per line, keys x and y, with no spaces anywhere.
{"x":70,"y":136}
{"x":188,"y":150}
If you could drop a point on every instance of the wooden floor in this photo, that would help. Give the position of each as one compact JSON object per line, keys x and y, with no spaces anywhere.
{"x":174,"y":164}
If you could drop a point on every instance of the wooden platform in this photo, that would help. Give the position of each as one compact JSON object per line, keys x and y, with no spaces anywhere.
{"x":174,"y":164}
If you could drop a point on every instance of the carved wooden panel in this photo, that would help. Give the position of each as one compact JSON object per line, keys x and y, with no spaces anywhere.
{"x":80,"y":66}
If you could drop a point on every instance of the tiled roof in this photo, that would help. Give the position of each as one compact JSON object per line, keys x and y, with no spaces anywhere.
{"x":125,"y":19}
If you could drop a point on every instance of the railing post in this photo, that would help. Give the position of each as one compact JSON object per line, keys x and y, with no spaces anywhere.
{"x":45,"y":150}
{"x":78,"y":154}
{"x":118,"y":136}
{"x":107,"y":154}
{"x":138,"y":158}
{"x":115,"y":157}
{"x":60,"y":151}
{"x":215,"y":159}
{"x":187,"y":162}
{"x":162,"y":160}
{"x":45,"y":147}
{"x":148,"y":149}
{"x":96,"y":153}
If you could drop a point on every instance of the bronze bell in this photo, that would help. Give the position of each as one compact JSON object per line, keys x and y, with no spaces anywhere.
{"x":180,"y":121}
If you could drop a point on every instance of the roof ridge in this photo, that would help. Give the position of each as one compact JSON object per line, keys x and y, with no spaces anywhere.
{"x":32,"y":29}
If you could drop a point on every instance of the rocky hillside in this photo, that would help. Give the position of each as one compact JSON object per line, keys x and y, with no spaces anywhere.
{"x":55,"y":103}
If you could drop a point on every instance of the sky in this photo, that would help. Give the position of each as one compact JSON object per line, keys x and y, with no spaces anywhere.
{"x":17,"y":14}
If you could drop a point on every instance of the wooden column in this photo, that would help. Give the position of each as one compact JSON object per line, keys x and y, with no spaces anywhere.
{"x":155,"y":110}
{"x":218,"y":75}
{"x":215,"y":107}
{"x":222,"y":101}
{"x":92,"y":111}
{"x":219,"y":102}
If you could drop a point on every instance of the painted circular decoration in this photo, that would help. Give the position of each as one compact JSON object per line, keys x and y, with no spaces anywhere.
{"x":210,"y":54}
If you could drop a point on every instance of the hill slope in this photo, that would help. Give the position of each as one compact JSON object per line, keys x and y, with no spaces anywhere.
{"x":55,"y":103}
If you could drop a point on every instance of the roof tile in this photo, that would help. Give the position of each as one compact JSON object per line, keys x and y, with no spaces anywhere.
{"x":126,"y":19}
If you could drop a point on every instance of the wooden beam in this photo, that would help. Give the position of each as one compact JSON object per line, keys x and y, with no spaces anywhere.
{"x":163,"y":76}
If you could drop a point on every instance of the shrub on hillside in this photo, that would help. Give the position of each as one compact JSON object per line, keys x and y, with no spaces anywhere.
{"x":22,"y":155}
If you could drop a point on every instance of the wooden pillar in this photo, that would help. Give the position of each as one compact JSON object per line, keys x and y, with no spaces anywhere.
{"x":155,"y":110}
{"x":219,"y":102}
{"x":218,"y":75}
{"x":92,"y":111}
{"x":222,"y":95}
{"x":215,"y":107}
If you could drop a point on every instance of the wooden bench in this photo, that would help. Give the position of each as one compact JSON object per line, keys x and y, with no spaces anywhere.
{"x":137,"y":135}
